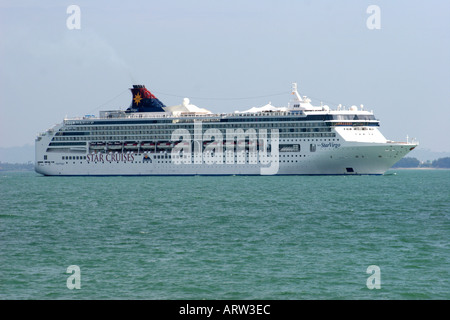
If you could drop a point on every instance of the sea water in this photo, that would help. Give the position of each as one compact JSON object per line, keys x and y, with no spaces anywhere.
{"x":228,"y":237}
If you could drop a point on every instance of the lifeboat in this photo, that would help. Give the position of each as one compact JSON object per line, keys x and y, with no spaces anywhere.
{"x":212,"y":143}
{"x":228,"y":145}
{"x":250,"y":143}
{"x":97,"y":145}
{"x":182,"y":144}
{"x":164,"y":145}
{"x":242,"y":144}
{"x":131,"y":145}
{"x":147,"y":145}
{"x":114,"y":145}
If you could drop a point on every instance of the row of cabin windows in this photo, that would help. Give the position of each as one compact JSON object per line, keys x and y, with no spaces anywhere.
{"x":73,"y":157}
{"x":169,"y":132}
{"x":204,"y":125}
{"x":169,"y":137}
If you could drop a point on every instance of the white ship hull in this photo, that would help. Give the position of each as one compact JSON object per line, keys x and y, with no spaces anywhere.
{"x":351,"y":159}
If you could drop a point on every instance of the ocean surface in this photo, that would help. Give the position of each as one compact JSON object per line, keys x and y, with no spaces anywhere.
{"x":237,"y":237}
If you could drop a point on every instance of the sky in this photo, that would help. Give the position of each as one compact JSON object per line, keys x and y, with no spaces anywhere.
{"x":226,"y":56}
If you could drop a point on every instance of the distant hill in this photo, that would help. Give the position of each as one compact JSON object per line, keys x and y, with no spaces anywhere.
{"x":16,"y":166}
{"x":426,"y":154}
{"x":441,"y":163}
{"x":408,"y":162}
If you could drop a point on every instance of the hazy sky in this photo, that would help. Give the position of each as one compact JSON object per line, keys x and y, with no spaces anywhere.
{"x":222,"y":50}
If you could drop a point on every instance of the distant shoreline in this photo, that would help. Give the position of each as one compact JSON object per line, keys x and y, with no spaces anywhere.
{"x":16,"y":167}
{"x":418,"y":168}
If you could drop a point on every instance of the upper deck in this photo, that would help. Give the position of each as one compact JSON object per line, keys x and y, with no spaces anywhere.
{"x":332,"y":118}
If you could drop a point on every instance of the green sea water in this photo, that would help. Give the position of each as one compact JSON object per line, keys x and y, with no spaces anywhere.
{"x":236,"y":237}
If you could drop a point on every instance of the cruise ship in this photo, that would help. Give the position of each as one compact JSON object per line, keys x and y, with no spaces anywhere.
{"x":150,"y":138}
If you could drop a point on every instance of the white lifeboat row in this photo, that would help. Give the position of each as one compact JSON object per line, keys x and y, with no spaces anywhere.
{"x":126,"y":145}
{"x":129,"y":145}
{"x":164,"y":145}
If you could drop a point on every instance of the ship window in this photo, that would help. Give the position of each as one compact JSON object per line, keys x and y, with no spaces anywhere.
{"x":45,"y":157}
{"x":349,"y":170}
